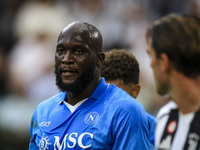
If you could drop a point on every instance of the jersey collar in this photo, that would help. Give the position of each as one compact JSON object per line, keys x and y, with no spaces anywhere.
{"x":98,"y":92}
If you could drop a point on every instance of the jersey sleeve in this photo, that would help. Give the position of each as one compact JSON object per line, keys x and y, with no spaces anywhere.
{"x":131,"y":130}
{"x":33,"y":130}
{"x":152,"y":124}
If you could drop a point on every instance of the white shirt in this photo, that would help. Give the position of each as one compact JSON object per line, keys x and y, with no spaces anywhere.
{"x":72,"y":108}
{"x":183,"y":127}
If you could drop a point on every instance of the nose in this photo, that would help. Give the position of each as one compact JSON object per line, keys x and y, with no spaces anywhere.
{"x":68,"y":58}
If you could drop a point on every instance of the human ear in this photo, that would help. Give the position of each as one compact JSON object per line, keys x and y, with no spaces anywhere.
{"x":164,"y":62}
{"x":136,"y":90}
{"x":101,"y":58}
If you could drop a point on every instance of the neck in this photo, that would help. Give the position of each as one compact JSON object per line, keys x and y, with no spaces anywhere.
{"x":75,"y":97}
{"x":186,"y":93}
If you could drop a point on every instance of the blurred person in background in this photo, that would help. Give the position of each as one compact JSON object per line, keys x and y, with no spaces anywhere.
{"x":4,"y":87}
{"x":87,"y":113}
{"x":134,"y":16}
{"x":36,"y":25}
{"x":12,"y":118}
{"x":174,"y":51}
{"x":122,"y":69}
{"x":26,"y":50}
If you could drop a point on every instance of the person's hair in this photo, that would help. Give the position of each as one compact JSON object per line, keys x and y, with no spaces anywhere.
{"x":178,"y":36}
{"x":120,"y":64}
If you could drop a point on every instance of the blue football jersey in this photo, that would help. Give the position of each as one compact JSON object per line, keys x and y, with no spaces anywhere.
{"x":109,"y":119}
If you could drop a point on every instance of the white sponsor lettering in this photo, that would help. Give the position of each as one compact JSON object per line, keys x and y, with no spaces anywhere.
{"x":73,"y":140}
{"x":80,"y":140}
{"x":44,"y":124}
{"x":57,"y":143}
{"x":73,"y":137}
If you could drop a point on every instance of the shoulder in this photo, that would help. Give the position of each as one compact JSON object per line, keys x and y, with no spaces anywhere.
{"x":43,"y":110}
{"x":118,"y":96}
{"x":165,"y":110}
{"x":49,"y":104}
{"x":151,"y":118}
{"x":121,"y":102}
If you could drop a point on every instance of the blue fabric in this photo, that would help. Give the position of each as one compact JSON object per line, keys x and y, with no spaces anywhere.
{"x":109,"y":119}
{"x":152,"y":124}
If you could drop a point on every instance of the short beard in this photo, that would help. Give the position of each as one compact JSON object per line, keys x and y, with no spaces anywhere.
{"x":80,"y":83}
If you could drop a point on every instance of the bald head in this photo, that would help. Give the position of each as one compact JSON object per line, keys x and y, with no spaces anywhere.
{"x":85,"y":31}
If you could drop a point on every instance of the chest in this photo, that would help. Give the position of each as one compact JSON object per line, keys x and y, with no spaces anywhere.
{"x":178,"y":133}
{"x":63,"y":130}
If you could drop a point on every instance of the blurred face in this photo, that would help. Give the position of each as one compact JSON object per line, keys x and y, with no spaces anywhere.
{"x":74,"y":60}
{"x":158,"y":71}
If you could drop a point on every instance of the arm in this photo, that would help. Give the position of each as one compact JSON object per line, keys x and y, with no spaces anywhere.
{"x":32,"y":144}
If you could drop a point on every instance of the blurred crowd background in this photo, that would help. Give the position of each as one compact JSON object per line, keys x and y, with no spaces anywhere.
{"x":28,"y":36}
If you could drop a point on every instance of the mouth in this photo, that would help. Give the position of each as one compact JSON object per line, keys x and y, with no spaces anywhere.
{"x":68,"y":72}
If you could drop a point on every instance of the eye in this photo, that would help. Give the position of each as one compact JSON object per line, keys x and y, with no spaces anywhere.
{"x":60,"y":51}
{"x":79,"y":51}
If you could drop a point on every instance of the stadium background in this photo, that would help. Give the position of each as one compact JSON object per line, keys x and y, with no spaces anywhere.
{"x":28,"y":35}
